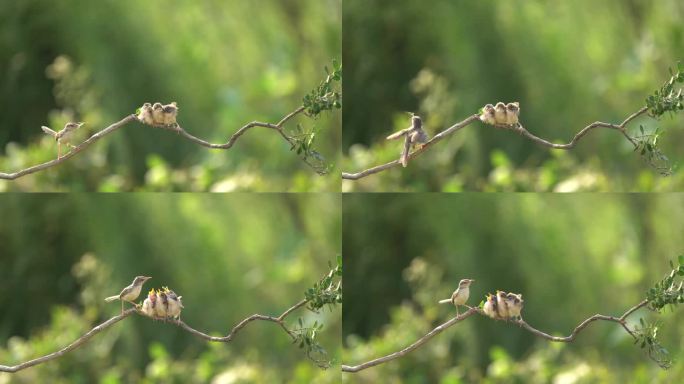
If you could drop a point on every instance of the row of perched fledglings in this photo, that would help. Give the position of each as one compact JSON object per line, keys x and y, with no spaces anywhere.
{"x":501,"y":115}
{"x":159,"y":304}
{"x":162,"y":304}
{"x":501,"y":306}
{"x":156,"y":114}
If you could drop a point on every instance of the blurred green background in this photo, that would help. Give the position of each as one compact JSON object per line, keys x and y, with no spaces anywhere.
{"x":567,"y":63}
{"x":226,"y":63}
{"x":570,"y":256}
{"x":226,"y":254}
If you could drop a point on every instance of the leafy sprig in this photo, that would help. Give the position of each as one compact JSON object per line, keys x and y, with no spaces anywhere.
{"x":305,"y":338}
{"x":327,"y":95}
{"x":667,"y":98}
{"x":328,"y":290}
{"x":647,"y":146}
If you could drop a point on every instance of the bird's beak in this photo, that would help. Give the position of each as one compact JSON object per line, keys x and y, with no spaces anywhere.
{"x":81,"y":123}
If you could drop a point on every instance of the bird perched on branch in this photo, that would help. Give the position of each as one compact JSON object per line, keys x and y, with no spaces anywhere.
{"x":157,"y":114}
{"x":500,"y":113}
{"x":63,"y":136}
{"x":515,"y":306}
{"x":512,"y":113}
{"x":487,"y":115}
{"x":145,"y":114}
{"x":149,"y":304}
{"x":170,"y":111}
{"x":175,"y":305}
{"x":412,"y":135}
{"x":460,"y":295}
{"x":129,"y":293}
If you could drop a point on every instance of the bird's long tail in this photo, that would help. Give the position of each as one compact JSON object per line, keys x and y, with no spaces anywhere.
{"x":445,"y":301}
{"x":405,"y":153}
{"x":399,"y":134}
{"x":112,"y":298}
{"x":49,"y":131}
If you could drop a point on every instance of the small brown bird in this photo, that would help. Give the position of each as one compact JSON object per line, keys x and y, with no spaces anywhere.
{"x":63,"y":136}
{"x":162,"y":307}
{"x":487,"y":115}
{"x":148,"y":307}
{"x":129,"y":293}
{"x":502,"y":305}
{"x":145,"y":114}
{"x":500,"y":113}
{"x":460,"y":295}
{"x":157,"y":114}
{"x":515,"y":306}
{"x":175,"y":304}
{"x":512,"y":113}
{"x":415,"y":134}
{"x":490,"y":307}
{"x":170,"y":111}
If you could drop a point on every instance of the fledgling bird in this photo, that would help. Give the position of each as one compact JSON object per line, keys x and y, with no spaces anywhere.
{"x":488,"y":114}
{"x":500,"y":113}
{"x":515,"y":305}
{"x":175,"y":304}
{"x":162,"y":307}
{"x":157,"y":114}
{"x":413,"y":135}
{"x":129,"y":293}
{"x":170,"y":111}
{"x":63,"y":136}
{"x":502,"y":305}
{"x":490,"y":307}
{"x":148,"y":307}
{"x":512,"y":113}
{"x":460,"y":295}
{"x":145,"y":114}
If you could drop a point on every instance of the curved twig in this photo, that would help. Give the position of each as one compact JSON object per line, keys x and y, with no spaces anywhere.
{"x":177,"y":128}
{"x":280,"y":320}
{"x":520,"y":129}
{"x":622,"y":320}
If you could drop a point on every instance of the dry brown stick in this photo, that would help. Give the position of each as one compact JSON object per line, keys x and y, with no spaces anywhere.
{"x":475,"y":310}
{"x":83,"y":339}
{"x":451,"y":130}
{"x":132,"y":118}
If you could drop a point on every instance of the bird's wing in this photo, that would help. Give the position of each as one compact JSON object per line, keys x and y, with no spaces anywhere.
{"x":397,"y":135}
{"x":49,"y":131}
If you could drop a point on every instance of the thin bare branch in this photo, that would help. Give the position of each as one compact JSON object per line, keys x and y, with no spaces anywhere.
{"x":177,"y":128}
{"x":280,"y":320}
{"x":622,"y":320}
{"x":520,"y":129}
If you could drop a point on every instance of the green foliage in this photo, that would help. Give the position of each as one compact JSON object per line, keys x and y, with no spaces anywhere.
{"x":328,"y":290}
{"x":646,"y":337}
{"x":669,"y":290}
{"x":327,"y":95}
{"x":647,"y":147}
{"x":305,"y":338}
{"x":667,"y":98}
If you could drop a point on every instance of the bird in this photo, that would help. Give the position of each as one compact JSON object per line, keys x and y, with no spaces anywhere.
{"x":150,"y":303}
{"x":500,"y":113}
{"x":170,"y":111}
{"x":145,"y":114}
{"x":63,"y":136}
{"x":161,"y":309}
{"x":502,"y":305}
{"x":515,"y":305}
{"x":415,"y":134}
{"x":175,"y":304}
{"x":487,"y":115}
{"x":157,"y":114}
{"x":129,"y":293}
{"x":460,"y":295}
{"x":512,"y":113}
{"x":490,"y":307}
